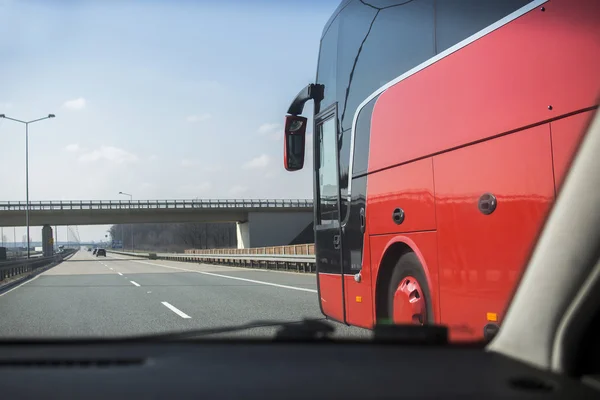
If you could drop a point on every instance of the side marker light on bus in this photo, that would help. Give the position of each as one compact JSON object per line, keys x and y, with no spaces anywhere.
{"x":359,"y":299}
{"x":492,"y":317}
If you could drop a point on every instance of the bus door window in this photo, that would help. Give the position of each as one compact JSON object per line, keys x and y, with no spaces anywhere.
{"x":327,"y":173}
{"x":327,"y":230}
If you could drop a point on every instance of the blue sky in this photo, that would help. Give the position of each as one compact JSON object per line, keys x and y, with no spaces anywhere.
{"x":161,"y":99}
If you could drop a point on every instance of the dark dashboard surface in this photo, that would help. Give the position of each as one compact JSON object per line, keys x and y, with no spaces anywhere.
{"x":209,"y":369}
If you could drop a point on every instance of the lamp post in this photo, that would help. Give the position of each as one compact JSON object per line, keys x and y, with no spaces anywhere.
{"x":130,"y":200}
{"x":27,"y":167}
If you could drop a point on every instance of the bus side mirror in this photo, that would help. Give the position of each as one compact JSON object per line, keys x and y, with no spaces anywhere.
{"x":294,"y":142}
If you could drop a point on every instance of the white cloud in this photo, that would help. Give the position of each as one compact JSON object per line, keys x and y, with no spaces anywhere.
{"x":273,"y":131}
{"x":192,"y":162}
{"x":261,"y":161}
{"x":75,"y":104}
{"x":214,"y":168}
{"x":238,"y":189}
{"x":111,"y":154}
{"x":198,"y":118}
{"x":186,"y":162}
{"x":272,"y":174}
{"x":309,"y":143}
{"x":74,"y":147}
{"x":267,"y":128}
{"x":195,"y":189}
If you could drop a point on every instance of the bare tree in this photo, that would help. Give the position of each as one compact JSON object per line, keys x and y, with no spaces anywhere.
{"x":178,"y":237}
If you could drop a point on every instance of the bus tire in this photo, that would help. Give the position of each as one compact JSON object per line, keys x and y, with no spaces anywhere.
{"x":409,"y":298}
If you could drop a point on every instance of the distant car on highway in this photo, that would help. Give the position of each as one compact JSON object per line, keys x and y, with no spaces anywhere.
{"x":101,"y":252}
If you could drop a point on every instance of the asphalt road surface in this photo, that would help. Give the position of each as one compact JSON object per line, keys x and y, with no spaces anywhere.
{"x":120,"y":296}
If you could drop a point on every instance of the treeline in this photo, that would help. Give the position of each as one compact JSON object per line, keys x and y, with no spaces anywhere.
{"x":176,"y":237}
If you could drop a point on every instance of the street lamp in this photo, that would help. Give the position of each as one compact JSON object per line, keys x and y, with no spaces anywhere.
{"x":27,"y":165}
{"x":130,"y":200}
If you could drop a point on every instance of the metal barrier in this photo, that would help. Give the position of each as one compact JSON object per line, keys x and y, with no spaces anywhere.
{"x":286,"y":262}
{"x":13,"y":268}
{"x":154,"y":204}
{"x":20,"y":255}
{"x":296,"y":249}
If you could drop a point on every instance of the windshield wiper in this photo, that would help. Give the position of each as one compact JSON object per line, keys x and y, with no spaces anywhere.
{"x":307,"y":329}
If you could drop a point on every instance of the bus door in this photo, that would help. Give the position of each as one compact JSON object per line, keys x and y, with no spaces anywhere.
{"x":328,"y":238}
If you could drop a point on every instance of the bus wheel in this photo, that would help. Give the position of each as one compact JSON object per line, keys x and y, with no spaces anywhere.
{"x":409,"y":300}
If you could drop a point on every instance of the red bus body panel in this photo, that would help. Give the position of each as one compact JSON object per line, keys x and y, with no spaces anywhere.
{"x":410,"y":185}
{"x":359,"y":295}
{"x":501,"y":82}
{"x":481,"y":256}
{"x":502,"y":115}
{"x":330,"y":290}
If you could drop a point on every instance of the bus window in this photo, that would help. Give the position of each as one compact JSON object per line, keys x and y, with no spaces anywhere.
{"x":456,"y":20}
{"x":327,"y":173}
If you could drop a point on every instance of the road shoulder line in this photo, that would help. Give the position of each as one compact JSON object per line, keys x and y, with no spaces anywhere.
{"x":231,"y":277}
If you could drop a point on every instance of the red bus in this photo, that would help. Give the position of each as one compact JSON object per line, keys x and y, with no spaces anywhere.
{"x":442,"y":131}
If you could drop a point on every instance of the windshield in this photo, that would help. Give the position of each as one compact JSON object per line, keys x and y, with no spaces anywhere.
{"x":143,"y":188}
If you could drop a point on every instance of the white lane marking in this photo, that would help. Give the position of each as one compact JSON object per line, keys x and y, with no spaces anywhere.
{"x":18,"y":286}
{"x":234,"y":277}
{"x":120,"y":273}
{"x":135,"y":283}
{"x":111,"y":269}
{"x":175,"y":310}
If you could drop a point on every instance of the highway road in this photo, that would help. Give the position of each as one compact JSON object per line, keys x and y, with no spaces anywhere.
{"x":119,"y":296}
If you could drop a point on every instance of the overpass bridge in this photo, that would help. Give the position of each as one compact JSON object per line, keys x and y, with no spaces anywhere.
{"x":260,"y":222}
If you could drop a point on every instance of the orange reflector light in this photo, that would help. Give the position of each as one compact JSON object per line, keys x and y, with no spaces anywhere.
{"x":359,"y":299}
{"x":492,"y":317}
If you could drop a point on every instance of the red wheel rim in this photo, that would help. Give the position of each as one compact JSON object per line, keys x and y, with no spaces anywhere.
{"x":409,"y":303}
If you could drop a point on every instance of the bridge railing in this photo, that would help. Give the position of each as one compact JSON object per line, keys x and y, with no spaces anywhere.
{"x":154,"y":204}
{"x":296,"y":249}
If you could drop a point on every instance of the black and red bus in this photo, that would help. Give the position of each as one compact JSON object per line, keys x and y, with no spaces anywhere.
{"x":442,"y":131}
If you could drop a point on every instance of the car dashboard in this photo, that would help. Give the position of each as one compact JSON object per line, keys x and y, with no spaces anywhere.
{"x":270,"y":370}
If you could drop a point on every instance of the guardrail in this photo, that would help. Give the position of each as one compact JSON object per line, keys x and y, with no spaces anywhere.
{"x":153,"y":204}
{"x":13,"y":268}
{"x":286,"y":262}
{"x":296,"y":249}
{"x":18,"y":255}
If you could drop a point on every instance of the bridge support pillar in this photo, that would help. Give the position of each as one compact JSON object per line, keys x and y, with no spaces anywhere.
{"x":263,"y":229}
{"x":47,"y":241}
{"x":243,"y":234}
